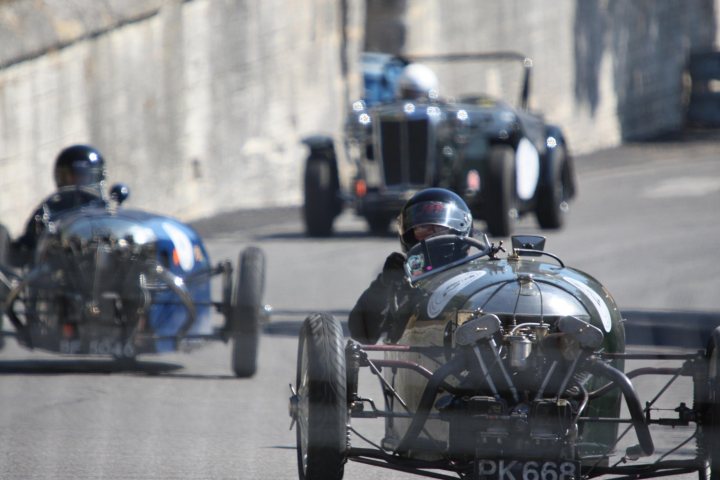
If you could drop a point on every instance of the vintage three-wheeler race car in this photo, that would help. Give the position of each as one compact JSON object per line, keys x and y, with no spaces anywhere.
{"x":503,"y":366}
{"x":114,"y":282}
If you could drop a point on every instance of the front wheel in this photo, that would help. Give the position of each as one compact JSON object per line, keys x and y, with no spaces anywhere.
{"x":379,"y":223}
{"x":246,"y":311}
{"x":499,"y":193}
{"x":321,"y":197}
{"x":710,"y":428}
{"x":552,"y":199}
{"x":322,"y":410}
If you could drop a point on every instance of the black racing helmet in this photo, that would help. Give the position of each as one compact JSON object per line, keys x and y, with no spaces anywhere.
{"x":434,"y":206}
{"x":79,"y":165}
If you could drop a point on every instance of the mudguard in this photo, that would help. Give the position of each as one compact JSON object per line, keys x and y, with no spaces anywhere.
{"x":320,"y":144}
{"x":181,"y":249}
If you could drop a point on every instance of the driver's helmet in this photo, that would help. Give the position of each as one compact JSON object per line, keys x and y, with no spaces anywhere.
{"x":417,"y":81}
{"x":437,"y":211}
{"x":80,"y":166}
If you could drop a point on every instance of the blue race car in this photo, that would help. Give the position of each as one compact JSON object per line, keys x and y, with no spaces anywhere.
{"x":117,"y":282}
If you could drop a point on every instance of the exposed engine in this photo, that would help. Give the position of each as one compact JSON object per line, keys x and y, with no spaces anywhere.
{"x":522,"y":391}
{"x":95,"y":285}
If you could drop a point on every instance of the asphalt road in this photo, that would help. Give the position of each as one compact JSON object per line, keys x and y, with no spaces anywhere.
{"x":646,"y":223}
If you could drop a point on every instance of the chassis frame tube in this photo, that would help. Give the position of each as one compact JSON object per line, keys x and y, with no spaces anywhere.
{"x":455,"y":365}
{"x":595,"y":365}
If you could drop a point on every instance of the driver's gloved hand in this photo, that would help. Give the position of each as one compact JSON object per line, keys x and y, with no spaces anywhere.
{"x":393,"y":271}
{"x":405,"y":302}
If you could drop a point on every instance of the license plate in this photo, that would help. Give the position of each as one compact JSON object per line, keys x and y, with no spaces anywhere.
{"x":528,"y":470}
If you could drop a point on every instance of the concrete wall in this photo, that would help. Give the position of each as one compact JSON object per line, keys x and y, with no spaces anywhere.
{"x":606,"y":70}
{"x":199,"y":105}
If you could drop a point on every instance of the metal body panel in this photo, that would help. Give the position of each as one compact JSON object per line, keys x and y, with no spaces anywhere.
{"x":519,"y":290}
{"x":105,"y":284}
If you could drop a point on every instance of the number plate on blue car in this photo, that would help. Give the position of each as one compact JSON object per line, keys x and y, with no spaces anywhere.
{"x":528,"y":470}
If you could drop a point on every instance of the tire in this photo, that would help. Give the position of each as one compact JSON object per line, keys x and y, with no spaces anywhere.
{"x":710,"y":431}
{"x":379,"y":224}
{"x":5,"y":245}
{"x":247,"y":311}
{"x":552,"y":199}
{"x":322,"y":414}
{"x":321,"y":196}
{"x":499,"y":188}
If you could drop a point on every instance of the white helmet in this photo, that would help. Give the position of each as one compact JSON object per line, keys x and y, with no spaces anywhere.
{"x":417,"y":81}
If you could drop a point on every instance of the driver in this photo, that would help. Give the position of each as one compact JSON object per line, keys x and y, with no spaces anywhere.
{"x":430,"y":212}
{"x":417,"y":82}
{"x":80,"y":178}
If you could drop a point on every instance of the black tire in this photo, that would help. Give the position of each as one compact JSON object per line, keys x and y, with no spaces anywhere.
{"x":552,"y":199}
{"x":379,"y":224}
{"x":322,"y":414}
{"x":321,"y":196}
{"x":5,"y":245}
{"x":499,"y":185}
{"x":247,"y":311}
{"x":709,"y":438}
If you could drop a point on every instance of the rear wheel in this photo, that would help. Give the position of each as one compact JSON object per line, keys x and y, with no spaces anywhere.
{"x":322,"y":410}
{"x":5,"y":244}
{"x":247,"y":311}
{"x":379,"y":223}
{"x":552,"y":199}
{"x":321,"y":196}
{"x":710,"y":430}
{"x":499,"y":186}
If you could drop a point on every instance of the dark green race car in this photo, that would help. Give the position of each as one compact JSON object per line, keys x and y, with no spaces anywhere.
{"x":498,"y":367}
{"x":479,"y":138}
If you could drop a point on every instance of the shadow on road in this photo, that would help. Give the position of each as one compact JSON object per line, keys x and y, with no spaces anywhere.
{"x":103,"y":367}
{"x":84,"y":366}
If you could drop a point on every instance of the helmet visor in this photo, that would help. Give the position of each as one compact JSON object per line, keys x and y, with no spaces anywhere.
{"x":447,"y":215}
{"x":79,"y":174}
{"x":89,"y":175}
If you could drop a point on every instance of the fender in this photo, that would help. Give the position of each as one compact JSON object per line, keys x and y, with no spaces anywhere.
{"x":323,"y":147}
{"x":320,"y":144}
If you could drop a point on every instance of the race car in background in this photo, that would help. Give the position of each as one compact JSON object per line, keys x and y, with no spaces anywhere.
{"x":115,"y":282}
{"x":497,"y":153}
